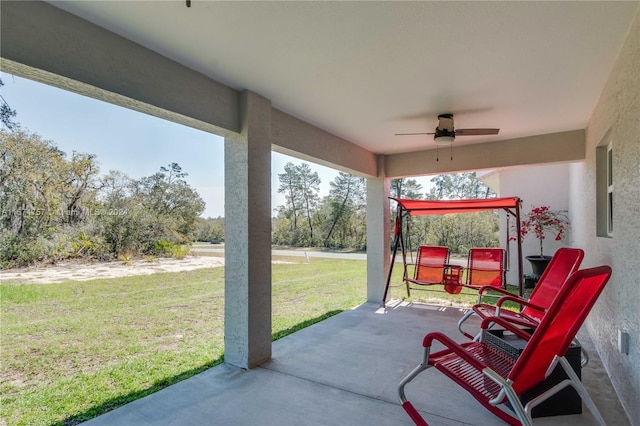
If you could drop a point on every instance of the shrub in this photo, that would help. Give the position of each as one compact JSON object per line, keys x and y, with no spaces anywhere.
{"x":167,"y":248}
{"x":16,"y":252}
{"x":179,"y":252}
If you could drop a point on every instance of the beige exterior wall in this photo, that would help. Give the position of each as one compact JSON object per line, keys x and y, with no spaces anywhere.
{"x":545,"y":185}
{"x":617,"y":115}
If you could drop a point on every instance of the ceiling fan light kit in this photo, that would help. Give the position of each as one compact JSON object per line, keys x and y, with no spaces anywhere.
{"x":444,"y":137}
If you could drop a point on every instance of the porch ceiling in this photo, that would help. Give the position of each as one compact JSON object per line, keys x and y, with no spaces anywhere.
{"x":366,"y":70}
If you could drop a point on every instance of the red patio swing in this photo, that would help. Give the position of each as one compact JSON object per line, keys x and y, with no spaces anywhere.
{"x":435,"y":259}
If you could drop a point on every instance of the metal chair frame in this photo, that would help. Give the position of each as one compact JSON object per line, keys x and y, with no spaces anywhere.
{"x":564,"y":262}
{"x":494,"y":378}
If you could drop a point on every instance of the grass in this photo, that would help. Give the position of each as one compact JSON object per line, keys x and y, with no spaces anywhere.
{"x":74,"y":350}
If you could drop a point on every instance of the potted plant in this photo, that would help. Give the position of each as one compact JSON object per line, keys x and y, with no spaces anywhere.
{"x":542,"y":222}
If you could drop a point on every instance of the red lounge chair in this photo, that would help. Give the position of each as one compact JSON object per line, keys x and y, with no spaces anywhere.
{"x":565,"y":262}
{"x":429,"y":266}
{"x":495,"y":378}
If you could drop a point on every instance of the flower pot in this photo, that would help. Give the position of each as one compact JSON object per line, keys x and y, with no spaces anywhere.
{"x":530,"y":281}
{"x":538,"y":264}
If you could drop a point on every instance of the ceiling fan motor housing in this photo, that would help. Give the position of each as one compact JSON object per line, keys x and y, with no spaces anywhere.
{"x":445,"y":122}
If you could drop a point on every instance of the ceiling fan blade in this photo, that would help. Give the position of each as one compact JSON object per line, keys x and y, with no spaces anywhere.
{"x":412,"y":134}
{"x":476,"y":132}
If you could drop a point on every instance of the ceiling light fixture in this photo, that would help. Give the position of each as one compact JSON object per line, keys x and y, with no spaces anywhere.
{"x":443,"y":140}
{"x":444,"y":137}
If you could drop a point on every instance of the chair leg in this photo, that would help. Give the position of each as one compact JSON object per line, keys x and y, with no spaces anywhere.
{"x":574,"y":381}
{"x":579,"y":387}
{"x":462,"y":320}
{"x":413,"y":413}
{"x":412,"y":375}
{"x":516,"y":406}
{"x":406,"y":404}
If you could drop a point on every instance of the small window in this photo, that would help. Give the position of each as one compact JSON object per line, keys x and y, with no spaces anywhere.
{"x":609,"y":190}
{"x":604,"y":187}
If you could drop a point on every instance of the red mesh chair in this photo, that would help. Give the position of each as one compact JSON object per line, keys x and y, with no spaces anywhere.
{"x":565,"y":262}
{"x":429,"y":266}
{"x":495,"y":378}
{"x":486,"y":267}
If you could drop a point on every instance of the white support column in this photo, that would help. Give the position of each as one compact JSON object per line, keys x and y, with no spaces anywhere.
{"x":247,"y":308}
{"x":378,"y":233}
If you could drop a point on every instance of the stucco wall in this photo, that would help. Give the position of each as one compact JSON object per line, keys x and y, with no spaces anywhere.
{"x":546,"y":185}
{"x":617,"y":112}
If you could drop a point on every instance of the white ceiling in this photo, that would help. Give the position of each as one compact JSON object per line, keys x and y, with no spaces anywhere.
{"x":367,"y":70}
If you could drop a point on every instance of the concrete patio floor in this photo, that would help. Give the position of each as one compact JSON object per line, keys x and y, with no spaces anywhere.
{"x":344,"y":371}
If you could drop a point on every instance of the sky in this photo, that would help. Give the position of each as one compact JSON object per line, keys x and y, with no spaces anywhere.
{"x":135,"y":143}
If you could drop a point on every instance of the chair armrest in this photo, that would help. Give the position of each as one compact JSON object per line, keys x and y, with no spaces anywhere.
{"x":498,"y":289}
{"x":484,"y":288}
{"x":519,"y":301}
{"x":453,"y":347}
{"x":487,"y":322}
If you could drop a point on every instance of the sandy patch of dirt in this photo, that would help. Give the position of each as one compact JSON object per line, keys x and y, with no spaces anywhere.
{"x":90,"y":271}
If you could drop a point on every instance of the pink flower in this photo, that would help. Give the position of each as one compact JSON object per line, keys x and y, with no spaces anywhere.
{"x":541,"y":220}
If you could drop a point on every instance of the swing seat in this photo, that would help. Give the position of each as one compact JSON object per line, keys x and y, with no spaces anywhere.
{"x":486,"y":267}
{"x":494,"y":377}
{"x":410,"y":207}
{"x":429,"y":267}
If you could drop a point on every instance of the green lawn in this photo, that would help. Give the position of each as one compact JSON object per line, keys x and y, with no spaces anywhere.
{"x":74,"y":350}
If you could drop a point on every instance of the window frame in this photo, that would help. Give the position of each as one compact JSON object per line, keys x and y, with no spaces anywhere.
{"x":604,"y":186}
{"x":610,"y":189}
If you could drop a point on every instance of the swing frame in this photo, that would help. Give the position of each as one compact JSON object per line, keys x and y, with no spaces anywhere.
{"x":407,"y":208}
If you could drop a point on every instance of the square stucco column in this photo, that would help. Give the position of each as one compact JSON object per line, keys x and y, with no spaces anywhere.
{"x":378,"y":237}
{"x":247,"y":307}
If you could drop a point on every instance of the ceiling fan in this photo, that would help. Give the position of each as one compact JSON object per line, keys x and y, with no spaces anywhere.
{"x":445,"y":132}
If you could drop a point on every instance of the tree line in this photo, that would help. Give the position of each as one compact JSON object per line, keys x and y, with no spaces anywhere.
{"x":459,"y":232}
{"x":338,"y":220}
{"x":55,"y":207}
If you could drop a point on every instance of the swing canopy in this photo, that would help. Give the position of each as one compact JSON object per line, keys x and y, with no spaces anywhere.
{"x":425,"y":207}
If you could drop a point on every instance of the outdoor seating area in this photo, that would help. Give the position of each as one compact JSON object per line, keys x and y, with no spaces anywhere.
{"x":497,"y":372}
{"x":565,"y":262}
{"x":485,"y":268}
{"x":368,"y":89}
{"x":345,"y":371}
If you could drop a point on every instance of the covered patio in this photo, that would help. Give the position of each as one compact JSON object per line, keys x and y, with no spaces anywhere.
{"x":333,"y":82}
{"x":344,"y":371}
